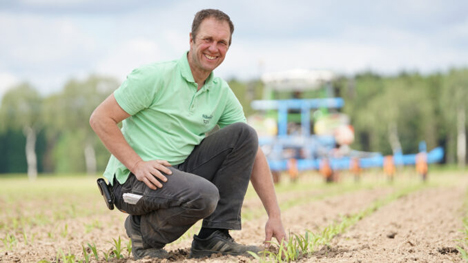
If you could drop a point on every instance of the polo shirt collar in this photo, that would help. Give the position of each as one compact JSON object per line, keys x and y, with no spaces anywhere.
{"x":187,"y":73}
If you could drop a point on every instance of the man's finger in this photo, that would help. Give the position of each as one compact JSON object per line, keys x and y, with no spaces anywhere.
{"x":149,"y":184}
{"x":268,"y":237}
{"x":152,"y":178}
{"x":162,"y":167}
{"x":281,"y":239}
{"x":157,"y":174}
{"x":164,"y":162}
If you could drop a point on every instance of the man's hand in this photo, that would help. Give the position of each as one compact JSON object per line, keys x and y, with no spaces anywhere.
{"x":149,"y":172}
{"x":274,"y":228}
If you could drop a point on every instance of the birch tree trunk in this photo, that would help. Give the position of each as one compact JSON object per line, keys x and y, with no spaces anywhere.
{"x":461,"y":138}
{"x":451,"y":148}
{"x":31,"y":157}
{"x":393,"y":138}
{"x":90,"y":158}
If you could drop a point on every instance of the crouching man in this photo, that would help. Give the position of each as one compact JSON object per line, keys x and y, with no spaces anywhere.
{"x":165,"y":172}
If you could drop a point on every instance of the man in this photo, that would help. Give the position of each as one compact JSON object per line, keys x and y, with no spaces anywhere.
{"x":165,"y":172}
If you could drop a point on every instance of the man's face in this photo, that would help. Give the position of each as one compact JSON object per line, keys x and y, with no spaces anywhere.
{"x":208,"y":49}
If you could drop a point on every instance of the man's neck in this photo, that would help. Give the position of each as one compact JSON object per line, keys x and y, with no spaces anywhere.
{"x":199,"y":76}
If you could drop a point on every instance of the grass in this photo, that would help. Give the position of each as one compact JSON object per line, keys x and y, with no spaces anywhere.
{"x":53,"y":209}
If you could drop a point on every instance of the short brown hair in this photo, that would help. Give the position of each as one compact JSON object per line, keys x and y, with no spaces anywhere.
{"x":208,"y":13}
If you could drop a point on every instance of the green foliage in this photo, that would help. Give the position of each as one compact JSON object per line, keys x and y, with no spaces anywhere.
{"x":12,"y":157}
{"x":411,"y":106}
{"x":68,"y":153}
{"x":64,"y":114}
{"x":410,"y":103}
{"x":21,"y":107}
{"x":117,"y":250}
{"x":85,"y":254}
{"x":129,"y":247}
{"x":9,"y":241}
{"x":94,"y":250}
{"x":302,"y":246}
{"x":66,"y":257}
{"x":462,"y":248}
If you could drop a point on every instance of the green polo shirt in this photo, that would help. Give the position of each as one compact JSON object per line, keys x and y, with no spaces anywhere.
{"x":169,"y":117}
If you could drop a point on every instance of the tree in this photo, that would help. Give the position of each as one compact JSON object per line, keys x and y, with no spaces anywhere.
{"x":362,"y":91}
{"x":21,"y":109}
{"x":392,"y":114}
{"x":454,"y":98}
{"x":74,"y":106}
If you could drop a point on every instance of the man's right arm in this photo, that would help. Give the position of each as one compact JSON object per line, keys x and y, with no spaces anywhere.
{"x":104,"y":121}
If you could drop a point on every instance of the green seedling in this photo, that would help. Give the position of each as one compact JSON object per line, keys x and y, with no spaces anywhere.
{"x":72,"y":211}
{"x":94,"y":250}
{"x":64,"y":232}
{"x":117,"y":251}
{"x":85,"y":254}
{"x":27,"y":240}
{"x":66,"y":258}
{"x":301,"y":246}
{"x":9,"y":241}
{"x":464,"y":241}
{"x":106,"y":256}
{"x":90,"y":227}
{"x":129,"y":247}
{"x":463,"y":253}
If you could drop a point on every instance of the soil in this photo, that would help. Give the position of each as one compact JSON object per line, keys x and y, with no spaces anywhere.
{"x":423,"y":226}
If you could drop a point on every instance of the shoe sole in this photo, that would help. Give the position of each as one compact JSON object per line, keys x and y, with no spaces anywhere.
{"x":205,"y":253}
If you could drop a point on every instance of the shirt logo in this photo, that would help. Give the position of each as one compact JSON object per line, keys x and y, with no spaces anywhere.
{"x":207,"y":118}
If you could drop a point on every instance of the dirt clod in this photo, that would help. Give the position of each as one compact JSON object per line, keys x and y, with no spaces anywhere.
{"x":447,"y":250}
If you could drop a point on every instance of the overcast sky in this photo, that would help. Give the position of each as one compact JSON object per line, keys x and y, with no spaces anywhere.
{"x":47,"y":42}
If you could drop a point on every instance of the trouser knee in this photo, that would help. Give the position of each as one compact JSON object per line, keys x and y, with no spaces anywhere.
{"x":204,"y":201}
{"x":247,"y":134}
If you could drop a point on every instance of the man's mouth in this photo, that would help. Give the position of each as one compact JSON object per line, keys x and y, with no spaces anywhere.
{"x":210,"y":57}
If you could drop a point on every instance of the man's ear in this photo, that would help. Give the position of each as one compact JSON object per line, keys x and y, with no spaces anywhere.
{"x":191,"y":37}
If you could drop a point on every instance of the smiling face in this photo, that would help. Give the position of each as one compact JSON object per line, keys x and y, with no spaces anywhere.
{"x":208,"y":48}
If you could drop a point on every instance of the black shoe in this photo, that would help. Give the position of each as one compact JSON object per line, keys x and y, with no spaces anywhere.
{"x":138,"y":249}
{"x":221,"y":243}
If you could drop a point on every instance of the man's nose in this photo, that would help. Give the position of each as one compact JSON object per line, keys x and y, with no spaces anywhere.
{"x":213,"y":46}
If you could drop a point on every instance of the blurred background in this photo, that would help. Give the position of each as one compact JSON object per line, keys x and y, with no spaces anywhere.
{"x":401,"y":68}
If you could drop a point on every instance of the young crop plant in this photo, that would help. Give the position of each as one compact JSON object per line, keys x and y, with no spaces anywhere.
{"x":66,"y":258}
{"x":94,"y":250}
{"x":129,"y":247}
{"x":92,"y":226}
{"x":9,"y":241}
{"x":461,"y":249}
{"x":464,"y":242}
{"x":64,"y":232}
{"x":298,"y":246}
{"x":85,"y":254}
{"x":28,"y":240}
{"x":117,"y":251}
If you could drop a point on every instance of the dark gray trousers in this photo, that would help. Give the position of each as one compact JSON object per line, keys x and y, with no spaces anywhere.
{"x":209,"y":185}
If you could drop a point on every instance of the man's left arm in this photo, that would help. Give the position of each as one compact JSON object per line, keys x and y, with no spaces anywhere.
{"x":262,"y":182}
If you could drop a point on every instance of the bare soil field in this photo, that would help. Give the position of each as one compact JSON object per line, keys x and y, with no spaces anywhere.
{"x":64,"y":219}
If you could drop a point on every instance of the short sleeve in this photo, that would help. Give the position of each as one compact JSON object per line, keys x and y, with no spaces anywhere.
{"x":233,"y":111}
{"x":137,"y":92}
